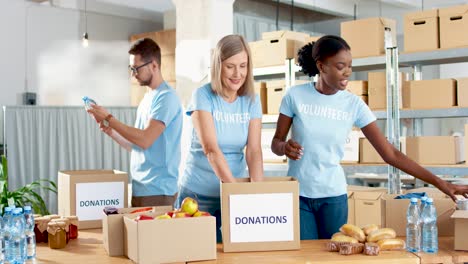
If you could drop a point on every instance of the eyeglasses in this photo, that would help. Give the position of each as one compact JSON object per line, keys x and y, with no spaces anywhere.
{"x":134,"y":70}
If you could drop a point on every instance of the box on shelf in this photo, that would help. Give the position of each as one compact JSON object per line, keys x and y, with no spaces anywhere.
{"x":421,"y":31}
{"x":299,"y":36}
{"x":274,"y":52}
{"x":274,"y":94}
{"x":269,"y":222}
{"x":113,"y":237}
{"x":85,"y":193}
{"x":436,"y":149}
{"x":351,"y":147}
{"x":260,"y":89}
{"x":377,"y":89}
{"x":462,"y":92}
{"x":439,"y":93}
{"x":170,"y":240}
{"x":137,"y":92}
{"x":453,"y":24}
{"x":367,"y":205}
{"x":395,"y":211}
{"x":367,"y":153}
{"x":357,"y":87}
{"x":365,"y":98}
{"x":168,"y":67}
{"x":461,"y":229}
{"x":373,"y":29}
{"x":165,"y":39}
{"x":268,"y":155}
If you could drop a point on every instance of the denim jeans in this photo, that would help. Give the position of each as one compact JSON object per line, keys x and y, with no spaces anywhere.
{"x":322,"y":217}
{"x":208,"y":204}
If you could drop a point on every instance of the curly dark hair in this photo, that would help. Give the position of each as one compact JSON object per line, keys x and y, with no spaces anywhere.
{"x":320,"y":50}
{"x":147,"y":49}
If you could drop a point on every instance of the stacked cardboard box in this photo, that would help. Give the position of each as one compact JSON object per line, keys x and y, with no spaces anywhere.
{"x":364,"y":205}
{"x":367,"y":152}
{"x":167,"y":42}
{"x":436,"y":149}
{"x":453,"y":26}
{"x":272,"y":93}
{"x":439,"y":93}
{"x":462,"y":92}
{"x":377,"y":83}
{"x":359,"y":88}
{"x":373,"y":29}
{"x":460,"y":218}
{"x":421,"y":31}
{"x":277,"y":46}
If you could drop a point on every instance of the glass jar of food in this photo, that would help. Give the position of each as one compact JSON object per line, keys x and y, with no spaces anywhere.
{"x":40,"y":229}
{"x":73,"y":226}
{"x":67,"y":226}
{"x":57,"y":235}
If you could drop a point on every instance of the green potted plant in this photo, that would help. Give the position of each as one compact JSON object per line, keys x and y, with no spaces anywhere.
{"x":25,"y":195}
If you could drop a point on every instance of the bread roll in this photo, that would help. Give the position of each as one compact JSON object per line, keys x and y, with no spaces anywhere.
{"x":369,"y":228}
{"x":391,"y":244}
{"x":380,"y":234}
{"x":353,"y":231}
{"x":343,"y":238}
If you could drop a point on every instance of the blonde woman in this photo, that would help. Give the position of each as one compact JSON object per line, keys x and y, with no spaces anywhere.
{"x":226,"y":116}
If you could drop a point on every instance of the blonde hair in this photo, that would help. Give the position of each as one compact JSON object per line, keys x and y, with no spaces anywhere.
{"x":227,"y":47}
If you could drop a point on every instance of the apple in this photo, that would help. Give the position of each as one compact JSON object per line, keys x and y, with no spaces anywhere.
{"x":171,"y":213}
{"x":143,"y":217}
{"x":164,"y":216}
{"x":181,"y":215}
{"x":201,"y":213}
{"x":189,"y":205}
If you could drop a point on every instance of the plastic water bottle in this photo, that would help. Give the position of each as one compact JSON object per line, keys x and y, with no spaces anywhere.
{"x":29,"y":233}
{"x":422,"y":204}
{"x":88,"y":102}
{"x":429,"y":228}
{"x":413,"y":227}
{"x":18,"y":239}
{"x":6,"y":232}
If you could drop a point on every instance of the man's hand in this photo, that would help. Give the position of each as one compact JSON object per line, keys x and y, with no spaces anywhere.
{"x":98,"y":112}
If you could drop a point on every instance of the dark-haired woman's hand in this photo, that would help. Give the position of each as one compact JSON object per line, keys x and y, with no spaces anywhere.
{"x":293,"y":150}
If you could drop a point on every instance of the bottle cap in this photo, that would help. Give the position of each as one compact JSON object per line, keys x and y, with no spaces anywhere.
{"x":429,"y":200}
{"x":414,"y":200}
{"x":27,"y":208}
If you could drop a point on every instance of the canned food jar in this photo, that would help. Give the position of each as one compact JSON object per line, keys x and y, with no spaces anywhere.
{"x":73,"y":226}
{"x":57,"y":235}
{"x":40,"y":229}
{"x":462,"y":204}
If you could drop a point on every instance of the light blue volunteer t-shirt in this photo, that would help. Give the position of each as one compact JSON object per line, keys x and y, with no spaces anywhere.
{"x":155,"y":170}
{"x":321,"y":124}
{"x":231,"y":121}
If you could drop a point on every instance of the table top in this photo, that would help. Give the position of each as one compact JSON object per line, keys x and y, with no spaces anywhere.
{"x":88,"y":248}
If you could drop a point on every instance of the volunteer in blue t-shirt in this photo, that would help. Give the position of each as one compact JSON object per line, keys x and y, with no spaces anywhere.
{"x":320,"y":116}
{"x":226,"y":116}
{"x":154,"y":141}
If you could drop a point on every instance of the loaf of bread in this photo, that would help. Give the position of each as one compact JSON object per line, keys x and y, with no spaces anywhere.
{"x":337,"y":233}
{"x":391,"y":244}
{"x":371,"y":249}
{"x":351,"y":248}
{"x":353,"y":231}
{"x":343,"y":238}
{"x":380,"y":234}
{"x":369,"y":228}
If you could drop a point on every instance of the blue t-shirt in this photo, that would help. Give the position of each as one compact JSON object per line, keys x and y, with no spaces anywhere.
{"x":231,"y":121}
{"x":155,"y":170}
{"x":321,"y":124}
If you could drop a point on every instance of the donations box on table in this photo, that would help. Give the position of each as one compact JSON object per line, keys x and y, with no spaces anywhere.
{"x":260,"y":216}
{"x":85,"y":193}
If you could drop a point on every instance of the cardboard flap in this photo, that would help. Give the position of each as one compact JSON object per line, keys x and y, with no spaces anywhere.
{"x":285,"y":34}
{"x":367,"y":195}
{"x":460,"y":214}
{"x":453,"y":11}
{"x":421,"y":15}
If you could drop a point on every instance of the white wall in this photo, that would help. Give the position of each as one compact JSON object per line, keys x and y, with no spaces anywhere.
{"x":41,"y":44}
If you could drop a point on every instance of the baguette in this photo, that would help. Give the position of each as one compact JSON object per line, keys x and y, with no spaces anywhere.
{"x":380,"y":234}
{"x":343,"y":238}
{"x":391,"y":244}
{"x":369,"y":228}
{"x":353,"y":231}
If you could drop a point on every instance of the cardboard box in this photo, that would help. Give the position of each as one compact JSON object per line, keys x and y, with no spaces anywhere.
{"x":436,"y":149}
{"x":170,"y":240}
{"x":165,"y":39}
{"x":395,"y":211}
{"x":368,"y":208}
{"x":269,"y":222}
{"x":85,"y":193}
{"x":357,"y":87}
{"x":461,"y":229}
{"x":299,"y":36}
{"x":274,"y":52}
{"x":367,"y":153}
{"x":466,"y":140}
{"x":453,"y":24}
{"x":421,"y":31}
{"x":274,"y":91}
{"x":365,"y":98}
{"x":373,"y":29}
{"x":439,"y":93}
{"x":377,"y":89}
{"x":260,"y":89}
{"x":113,"y":237}
{"x":462,"y":92}
{"x":268,"y":155}
{"x":351,"y":147}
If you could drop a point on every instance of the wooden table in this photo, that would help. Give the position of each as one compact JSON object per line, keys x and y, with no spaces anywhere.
{"x":88,"y":249}
{"x":446,"y":254}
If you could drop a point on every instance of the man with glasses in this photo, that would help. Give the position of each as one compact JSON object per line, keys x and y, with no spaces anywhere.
{"x":154,"y":142}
